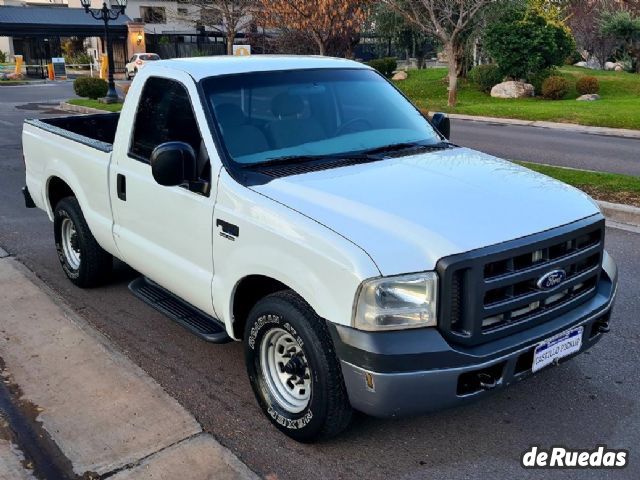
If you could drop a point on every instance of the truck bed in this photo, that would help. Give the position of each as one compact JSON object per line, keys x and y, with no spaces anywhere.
{"x":98,"y":130}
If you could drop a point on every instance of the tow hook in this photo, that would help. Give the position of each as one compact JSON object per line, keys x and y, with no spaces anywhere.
{"x":603,"y":327}
{"x":486,"y":381}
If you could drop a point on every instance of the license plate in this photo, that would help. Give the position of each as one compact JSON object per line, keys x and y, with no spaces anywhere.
{"x":557,"y":347}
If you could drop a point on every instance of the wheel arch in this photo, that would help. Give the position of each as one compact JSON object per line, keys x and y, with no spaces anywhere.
{"x":57,"y":189}
{"x":246,"y":293}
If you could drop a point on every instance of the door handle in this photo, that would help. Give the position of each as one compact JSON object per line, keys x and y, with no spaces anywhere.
{"x":121,"y":187}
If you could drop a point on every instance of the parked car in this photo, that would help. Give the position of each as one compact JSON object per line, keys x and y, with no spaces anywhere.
{"x":305,"y":207}
{"x":139,"y":60}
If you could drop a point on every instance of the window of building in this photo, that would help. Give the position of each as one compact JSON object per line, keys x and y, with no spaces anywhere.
{"x":153,"y":14}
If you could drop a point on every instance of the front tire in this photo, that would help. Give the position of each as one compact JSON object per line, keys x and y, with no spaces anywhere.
{"x":293,"y":368}
{"x":83,"y":261}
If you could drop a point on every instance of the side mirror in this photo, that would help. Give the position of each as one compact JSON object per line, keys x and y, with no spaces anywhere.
{"x":442,"y":123}
{"x":173,"y":163}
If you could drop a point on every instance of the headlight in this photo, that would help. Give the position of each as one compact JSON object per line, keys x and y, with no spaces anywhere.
{"x":394,"y":303}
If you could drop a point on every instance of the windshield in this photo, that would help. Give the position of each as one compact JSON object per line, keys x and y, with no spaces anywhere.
{"x":271,"y":116}
{"x":148,"y":57}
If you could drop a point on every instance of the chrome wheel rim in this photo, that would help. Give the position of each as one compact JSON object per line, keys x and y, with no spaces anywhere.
{"x":285,"y":370}
{"x":70,"y":246}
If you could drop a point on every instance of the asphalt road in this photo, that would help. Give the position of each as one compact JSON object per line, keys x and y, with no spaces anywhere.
{"x":555,"y":147}
{"x":593,"y":399}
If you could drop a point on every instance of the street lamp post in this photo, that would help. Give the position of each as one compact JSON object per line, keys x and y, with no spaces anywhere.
{"x":107,"y":14}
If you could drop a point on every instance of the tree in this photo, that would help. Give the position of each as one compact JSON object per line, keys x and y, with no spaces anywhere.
{"x":395,"y":29}
{"x":625,"y":27}
{"x":225,"y":16}
{"x":523,"y":43}
{"x":324,"y":20}
{"x":450,"y":21}
{"x":584,"y":19}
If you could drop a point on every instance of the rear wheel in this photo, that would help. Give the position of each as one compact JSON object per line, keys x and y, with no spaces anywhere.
{"x":293,"y":368}
{"x":83,"y":261}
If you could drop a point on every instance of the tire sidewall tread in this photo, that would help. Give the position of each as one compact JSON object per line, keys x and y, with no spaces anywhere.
{"x":329,"y":411}
{"x":95,"y":263}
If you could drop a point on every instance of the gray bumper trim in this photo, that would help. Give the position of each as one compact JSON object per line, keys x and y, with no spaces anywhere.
{"x":412,"y":393}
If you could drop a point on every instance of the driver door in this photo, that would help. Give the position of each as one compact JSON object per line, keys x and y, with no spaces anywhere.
{"x":165,"y":232}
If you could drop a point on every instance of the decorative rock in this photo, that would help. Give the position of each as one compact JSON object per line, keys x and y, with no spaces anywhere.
{"x":612,"y":65}
{"x":594,"y":64}
{"x":580,"y":64}
{"x":619,"y":68}
{"x":512,"y":89}
{"x":401,"y":75}
{"x":591,"y":97}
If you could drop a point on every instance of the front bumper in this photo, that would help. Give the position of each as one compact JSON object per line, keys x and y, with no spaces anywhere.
{"x":389,"y":374}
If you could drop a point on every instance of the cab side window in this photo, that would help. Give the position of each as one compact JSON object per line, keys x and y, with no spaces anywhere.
{"x":165,"y":115}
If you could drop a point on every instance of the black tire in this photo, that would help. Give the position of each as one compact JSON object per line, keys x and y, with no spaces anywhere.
{"x":95,"y":264}
{"x":328,"y":411}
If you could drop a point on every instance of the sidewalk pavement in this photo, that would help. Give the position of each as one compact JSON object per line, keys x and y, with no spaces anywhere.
{"x":102,"y":411}
{"x":570,"y":127}
{"x":11,"y":466}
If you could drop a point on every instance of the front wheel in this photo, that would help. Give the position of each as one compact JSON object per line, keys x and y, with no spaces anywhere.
{"x":293,"y":368}
{"x":84,"y":262}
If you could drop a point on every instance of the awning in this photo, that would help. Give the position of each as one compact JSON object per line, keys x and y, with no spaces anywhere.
{"x":55,"y":21}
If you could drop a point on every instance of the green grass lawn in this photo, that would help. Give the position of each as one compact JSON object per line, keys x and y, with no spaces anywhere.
{"x":87,"y":102}
{"x":610,"y":187}
{"x":619,"y":106}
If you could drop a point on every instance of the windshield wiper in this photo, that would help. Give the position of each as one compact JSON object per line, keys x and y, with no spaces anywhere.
{"x":371,"y":155}
{"x":293,"y":159}
{"x":396,"y":147}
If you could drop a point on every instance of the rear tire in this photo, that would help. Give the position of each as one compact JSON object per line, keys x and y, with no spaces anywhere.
{"x":83,"y":261}
{"x":293,"y":369}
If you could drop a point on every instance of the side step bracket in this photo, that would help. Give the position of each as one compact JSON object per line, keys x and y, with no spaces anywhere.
{"x":191,"y":318}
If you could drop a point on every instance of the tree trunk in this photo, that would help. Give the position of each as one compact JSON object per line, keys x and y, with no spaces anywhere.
{"x":453,"y":74}
{"x":231,"y":36}
{"x":322,"y":48}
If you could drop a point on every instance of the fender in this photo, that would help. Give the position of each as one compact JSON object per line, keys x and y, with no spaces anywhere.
{"x":277,"y":242}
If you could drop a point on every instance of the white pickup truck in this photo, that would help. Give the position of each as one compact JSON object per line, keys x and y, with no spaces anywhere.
{"x":305,"y":207}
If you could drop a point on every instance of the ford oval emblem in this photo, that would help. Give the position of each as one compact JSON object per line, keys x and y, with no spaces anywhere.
{"x":551,"y":279}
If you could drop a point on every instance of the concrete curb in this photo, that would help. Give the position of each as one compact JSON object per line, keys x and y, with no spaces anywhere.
{"x":102,"y":411}
{"x":68,"y":107}
{"x":621,"y":213}
{"x":569,"y":127}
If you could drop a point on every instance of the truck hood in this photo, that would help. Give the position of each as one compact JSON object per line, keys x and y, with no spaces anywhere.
{"x":409,"y":212}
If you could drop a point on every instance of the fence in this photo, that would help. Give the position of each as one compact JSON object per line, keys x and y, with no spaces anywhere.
{"x":182,"y":50}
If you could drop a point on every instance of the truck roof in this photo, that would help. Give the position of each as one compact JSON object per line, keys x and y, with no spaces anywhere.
{"x":201,"y":67}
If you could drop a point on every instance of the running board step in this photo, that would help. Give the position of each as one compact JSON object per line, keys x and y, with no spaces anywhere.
{"x":194,"y":320}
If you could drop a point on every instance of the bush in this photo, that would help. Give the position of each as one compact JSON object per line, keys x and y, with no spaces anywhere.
{"x":3,"y":57}
{"x":587,"y":85}
{"x":538,"y":78}
{"x":90,"y":87}
{"x":574,"y":58}
{"x":485,"y":76}
{"x":555,"y":87}
{"x":523,"y":43}
{"x":385,"y":66}
{"x":81,"y":58}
